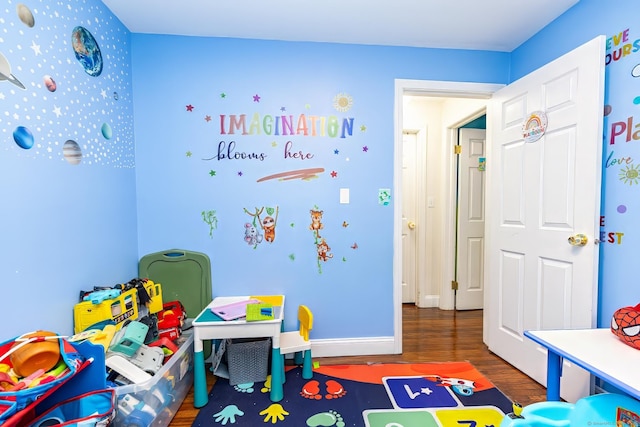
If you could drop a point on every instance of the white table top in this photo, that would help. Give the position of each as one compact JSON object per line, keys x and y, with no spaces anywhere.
{"x":598,"y":351}
{"x":205,"y":319}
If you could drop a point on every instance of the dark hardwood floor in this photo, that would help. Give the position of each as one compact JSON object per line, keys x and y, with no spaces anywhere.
{"x":430,"y":335}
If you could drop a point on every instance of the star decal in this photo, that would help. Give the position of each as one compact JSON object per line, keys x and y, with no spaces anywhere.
{"x":426,"y":390}
{"x":189,"y":107}
{"x":256,"y":98}
{"x":365,"y":148}
{"x":223,"y":95}
{"x":307,"y":106}
{"x":1,"y":95}
{"x":56,"y":111}
{"x":207,"y":118}
{"x":274,"y":144}
{"x":363,"y":128}
{"x":334,"y":174}
{"x":212,"y":173}
{"x":36,"y":48}
{"x":239,"y":173}
{"x":336,"y":151}
{"x":103,"y":93}
{"x":283,"y":109}
{"x":189,"y":153}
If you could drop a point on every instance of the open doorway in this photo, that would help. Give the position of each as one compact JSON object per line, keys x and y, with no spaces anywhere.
{"x":460,"y":103}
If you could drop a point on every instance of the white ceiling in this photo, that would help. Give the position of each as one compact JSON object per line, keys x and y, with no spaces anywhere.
{"x":498,"y":25}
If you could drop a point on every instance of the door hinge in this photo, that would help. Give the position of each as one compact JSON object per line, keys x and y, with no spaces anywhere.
{"x":457,"y":149}
{"x":454,"y":285}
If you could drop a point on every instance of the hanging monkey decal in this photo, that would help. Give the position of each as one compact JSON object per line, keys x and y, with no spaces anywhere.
{"x":268,"y":225}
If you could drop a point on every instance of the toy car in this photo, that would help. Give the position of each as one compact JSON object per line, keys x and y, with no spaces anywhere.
{"x":458,"y":385}
{"x":171,"y":319}
{"x":133,"y":412}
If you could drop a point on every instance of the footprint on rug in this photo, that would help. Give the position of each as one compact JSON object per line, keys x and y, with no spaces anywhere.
{"x":267,"y":385}
{"x":326,"y":419}
{"x":335,"y":390}
{"x":244,"y":388}
{"x":311,"y":390}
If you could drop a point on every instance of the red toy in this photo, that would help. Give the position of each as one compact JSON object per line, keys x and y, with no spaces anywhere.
{"x":625,"y":324}
{"x":171,"y":319}
{"x":168,"y":347}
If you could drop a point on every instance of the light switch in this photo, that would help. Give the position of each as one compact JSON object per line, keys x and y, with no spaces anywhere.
{"x":344,"y":195}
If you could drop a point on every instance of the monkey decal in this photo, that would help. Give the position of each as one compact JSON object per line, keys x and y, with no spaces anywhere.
{"x":268,"y":225}
{"x":323,"y":251}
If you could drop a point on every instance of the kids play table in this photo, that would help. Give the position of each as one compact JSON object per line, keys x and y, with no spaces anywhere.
{"x":597,"y":350}
{"x":208,"y":326}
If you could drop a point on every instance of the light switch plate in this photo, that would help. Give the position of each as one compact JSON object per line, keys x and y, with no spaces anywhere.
{"x":344,"y":195}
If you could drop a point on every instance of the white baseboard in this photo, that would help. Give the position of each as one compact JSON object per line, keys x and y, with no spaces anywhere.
{"x":430,"y":301}
{"x":352,"y":347}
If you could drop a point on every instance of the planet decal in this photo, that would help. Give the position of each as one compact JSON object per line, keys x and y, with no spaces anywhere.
{"x":106,"y":131}
{"x":87,"y":51}
{"x":50,"y":83}
{"x":23,"y":137}
{"x":25,"y":15}
{"x":72,"y":152}
{"x":5,"y":73}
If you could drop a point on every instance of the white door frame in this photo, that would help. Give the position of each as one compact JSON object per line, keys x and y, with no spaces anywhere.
{"x":427,"y":88}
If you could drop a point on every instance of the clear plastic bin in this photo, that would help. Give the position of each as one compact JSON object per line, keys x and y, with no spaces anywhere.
{"x":156,"y":401}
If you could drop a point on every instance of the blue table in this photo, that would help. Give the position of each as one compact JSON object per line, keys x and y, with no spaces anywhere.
{"x":208,"y":326}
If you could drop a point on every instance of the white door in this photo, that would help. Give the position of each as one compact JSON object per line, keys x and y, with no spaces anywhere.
{"x":470,"y":235}
{"x":409,"y":216}
{"x":538,"y":195}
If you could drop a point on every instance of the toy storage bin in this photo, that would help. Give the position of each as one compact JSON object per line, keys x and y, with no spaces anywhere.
{"x":156,"y":401}
{"x":248,"y":360}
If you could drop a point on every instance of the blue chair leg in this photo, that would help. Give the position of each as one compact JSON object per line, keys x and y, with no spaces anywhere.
{"x":307,"y":366}
{"x":297,"y":358}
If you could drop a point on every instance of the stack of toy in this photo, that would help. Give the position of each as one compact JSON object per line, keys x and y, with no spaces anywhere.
{"x":34,"y":359}
{"x":137,"y":330}
{"x":31,"y":366}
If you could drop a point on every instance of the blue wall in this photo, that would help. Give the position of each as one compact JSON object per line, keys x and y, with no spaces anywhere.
{"x":620,"y":233}
{"x":65,"y":225}
{"x":183,"y":86}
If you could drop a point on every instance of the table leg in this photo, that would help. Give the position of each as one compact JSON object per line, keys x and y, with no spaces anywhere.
{"x":277,"y":392}
{"x":554,"y":373}
{"x":200,"y":395}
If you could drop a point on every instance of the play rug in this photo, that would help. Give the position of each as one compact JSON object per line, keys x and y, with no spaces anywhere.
{"x":375,"y":395}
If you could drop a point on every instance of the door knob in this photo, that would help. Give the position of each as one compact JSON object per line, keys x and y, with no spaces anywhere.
{"x":411,"y":225}
{"x":578,"y":240}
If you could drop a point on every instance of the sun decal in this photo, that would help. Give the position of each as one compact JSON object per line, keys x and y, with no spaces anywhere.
{"x":342,"y":102}
{"x":630,"y":174}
